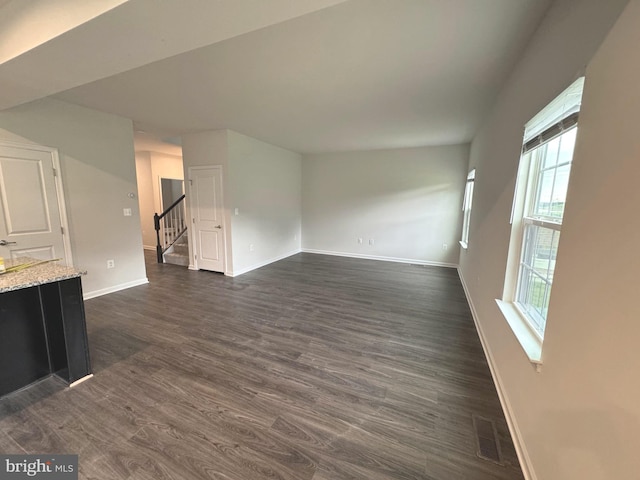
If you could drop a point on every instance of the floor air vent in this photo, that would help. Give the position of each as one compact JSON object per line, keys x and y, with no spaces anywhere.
{"x":487,"y":441}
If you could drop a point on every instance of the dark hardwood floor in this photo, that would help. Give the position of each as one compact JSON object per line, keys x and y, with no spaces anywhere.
{"x":312,"y":368}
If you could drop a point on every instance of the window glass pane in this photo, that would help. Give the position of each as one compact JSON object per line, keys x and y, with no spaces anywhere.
{"x":540,"y":248}
{"x":465,"y":203}
{"x":542,"y":204}
{"x":466,"y":206}
{"x":524,"y":286}
{"x":568,"y":143}
{"x":544,"y":310}
{"x":536,"y":309}
{"x":531,"y":297}
{"x":560,"y":185}
{"x":529,"y":244}
{"x":551,"y":153}
{"x":551,"y":176}
{"x":553,"y":253}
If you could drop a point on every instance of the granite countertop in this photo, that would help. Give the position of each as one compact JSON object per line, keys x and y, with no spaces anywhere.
{"x":33,"y":276}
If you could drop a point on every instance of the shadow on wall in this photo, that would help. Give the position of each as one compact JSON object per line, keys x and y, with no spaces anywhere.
{"x":414,"y":204}
{"x":95,"y":139}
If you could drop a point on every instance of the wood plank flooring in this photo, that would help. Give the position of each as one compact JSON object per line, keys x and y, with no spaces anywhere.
{"x":312,"y":368}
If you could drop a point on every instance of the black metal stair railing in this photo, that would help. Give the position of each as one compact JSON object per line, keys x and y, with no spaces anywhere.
{"x":169,"y":225}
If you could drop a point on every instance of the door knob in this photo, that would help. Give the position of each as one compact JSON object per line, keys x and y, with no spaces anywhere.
{"x":218,"y":226}
{"x":4,"y":243}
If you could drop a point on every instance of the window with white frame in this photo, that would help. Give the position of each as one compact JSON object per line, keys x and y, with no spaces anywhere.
{"x":538,"y":210}
{"x":466,"y":207}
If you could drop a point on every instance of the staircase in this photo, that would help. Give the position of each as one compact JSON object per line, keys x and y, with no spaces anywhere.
{"x":171,"y":234}
{"x":178,"y":254}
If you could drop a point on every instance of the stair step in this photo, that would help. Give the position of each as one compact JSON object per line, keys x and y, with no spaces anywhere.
{"x":176,"y":259}
{"x":181,"y":248}
{"x":183,"y":240}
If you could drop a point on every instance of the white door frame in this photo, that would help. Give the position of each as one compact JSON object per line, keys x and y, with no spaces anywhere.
{"x":57,"y":177}
{"x":192,"y":238}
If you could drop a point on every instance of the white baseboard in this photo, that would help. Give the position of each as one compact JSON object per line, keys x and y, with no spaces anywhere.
{"x":381,"y":258}
{"x":518,"y":443}
{"x":115,"y":288}
{"x":83,"y":379}
{"x":235,"y":273}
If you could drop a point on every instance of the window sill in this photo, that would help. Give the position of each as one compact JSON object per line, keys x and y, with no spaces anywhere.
{"x":464,"y":244}
{"x":529,"y":342}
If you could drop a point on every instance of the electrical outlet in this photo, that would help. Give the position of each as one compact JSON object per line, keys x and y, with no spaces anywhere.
{"x":295,"y":238}
{"x":445,"y":246}
{"x":111,"y":264}
{"x":251,"y":247}
{"x":359,"y":241}
{"x":127,"y":212}
{"x":372,"y":241}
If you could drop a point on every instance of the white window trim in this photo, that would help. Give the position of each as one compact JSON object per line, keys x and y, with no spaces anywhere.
{"x":530,"y":340}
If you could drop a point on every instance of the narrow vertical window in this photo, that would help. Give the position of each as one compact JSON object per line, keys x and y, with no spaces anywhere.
{"x":466,"y":208}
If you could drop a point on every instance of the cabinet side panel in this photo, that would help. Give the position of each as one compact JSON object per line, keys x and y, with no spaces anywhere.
{"x":75,"y":329}
{"x":23,"y":344}
{"x":52,"y":308}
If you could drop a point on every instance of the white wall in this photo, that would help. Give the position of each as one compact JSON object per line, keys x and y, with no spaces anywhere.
{"x":579,"y":417}
{"x":594,"y":329}
{"x":409,"y":201}
{"x":98,"y":174}
{"x":265,"y":182}
{"x":145,"y":199}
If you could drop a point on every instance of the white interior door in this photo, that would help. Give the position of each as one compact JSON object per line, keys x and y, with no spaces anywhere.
{"x":208,"y":217}
{"x":30,"y":215}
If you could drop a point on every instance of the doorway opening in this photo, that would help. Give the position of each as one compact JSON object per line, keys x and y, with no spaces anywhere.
{"x":160,"y":179}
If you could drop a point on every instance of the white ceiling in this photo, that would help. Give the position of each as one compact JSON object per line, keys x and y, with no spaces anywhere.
{"x":47,"y":46}
{"x":358,"y":75}
{"x":149,"y":142}
{"x":25,"y":24}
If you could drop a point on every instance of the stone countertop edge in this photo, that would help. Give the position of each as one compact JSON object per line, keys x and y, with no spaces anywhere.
{"x":34,"y":276}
